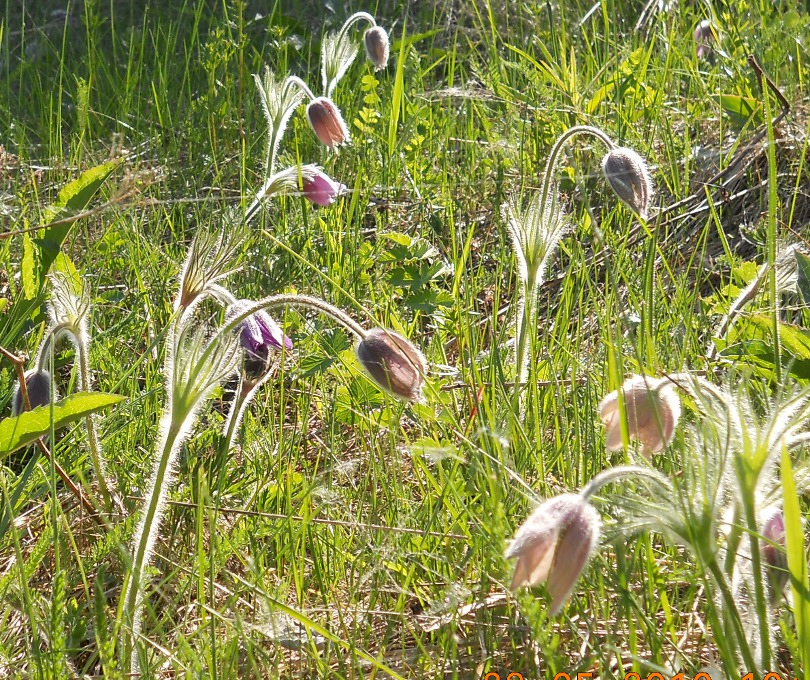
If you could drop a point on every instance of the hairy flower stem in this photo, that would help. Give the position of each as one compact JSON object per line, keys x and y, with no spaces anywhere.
{"x":80,"y":342}
{"x":353,"y":19}
{"x":295,"y":300}
{"x":554,"y":154}
{"x":534,"y":280}
{"x":758,"y":578}
{"x":619,"y":472}
{"x":132,"y":594}
{"x":730,"y":605}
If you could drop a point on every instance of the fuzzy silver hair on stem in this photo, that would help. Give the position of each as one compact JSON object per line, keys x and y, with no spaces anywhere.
{"x":68,"y":308}
{"x":195,"y":366}
{"x":279,"y":101}
{"x":536,"y":230}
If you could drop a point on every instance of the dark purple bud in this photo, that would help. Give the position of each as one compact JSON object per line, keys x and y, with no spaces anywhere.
{"x":258,"y":333}
{"x":38,"y":384}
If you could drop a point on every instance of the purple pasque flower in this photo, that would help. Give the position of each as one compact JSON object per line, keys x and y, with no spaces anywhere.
{"x":258,"y":333}
{"x":322,"y":189}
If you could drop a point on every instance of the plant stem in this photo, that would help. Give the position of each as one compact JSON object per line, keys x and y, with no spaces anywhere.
{"x":296,"y":300}
{"x":758,"y":577}
{"x":92,"y":436}
{"x":618,"y":472}
{"x":353,"y":19}
{"x":731,"y":606}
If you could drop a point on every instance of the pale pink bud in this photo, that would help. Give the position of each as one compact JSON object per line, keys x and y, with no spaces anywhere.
{"x":327,"y":122}
{"x":376,"y":41}
{"x":705,"y":35}
{"x":554,"y":544}
{"x":393,"y":363}
{"x":627,"y":174}
{"x":652,"y":410}
{"x":322,"y":189}
{"x":773,"y":551}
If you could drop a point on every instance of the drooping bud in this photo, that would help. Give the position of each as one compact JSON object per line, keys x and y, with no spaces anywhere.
{"x":393,"y":363}
{"x":38,"y":384}
{"x":773,"y":551}
{"x":327,"y":122}
{"x":627,"y":174}
{"x":705,"y":36}
{"x":322,"y":189}
{"x":554,"y":544}
{"x":376,"y":42}
{"x":259,"y":335}
{"x":652,"y":408}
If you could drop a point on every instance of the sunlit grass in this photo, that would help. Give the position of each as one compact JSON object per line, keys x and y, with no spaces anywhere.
{"x":347,"y":525}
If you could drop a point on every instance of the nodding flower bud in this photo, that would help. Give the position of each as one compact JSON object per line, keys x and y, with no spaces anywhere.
{"x":322,"y":189}
{"x":259,"y":334}
{"x":652,"y":408}
{"x":627,"y":174}
{"x":327,"y":122}
{"x":393,"y":363}
{"x":38,"y":384}
{"x":705,"y":35}
{"x":376,"y":41}
{"x":773,"y":551}
{"x":554,"y":544}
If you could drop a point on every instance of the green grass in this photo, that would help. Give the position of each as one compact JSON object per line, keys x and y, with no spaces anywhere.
{"x":348,"y":526}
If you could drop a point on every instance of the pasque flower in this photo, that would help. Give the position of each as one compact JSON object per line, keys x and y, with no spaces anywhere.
{"x":393,"y":363}
{"x":38,"y":385}
{"x":376,"y":42}
{"x":259,"y":334}
{"x":322,"y":189}
{"x":652,"y":409}
{"x":627,"y":174}
{"x":705,"y":35}
{"x":773,"y":551}
{"x":327,"y":122}
{"x":554,"y":544}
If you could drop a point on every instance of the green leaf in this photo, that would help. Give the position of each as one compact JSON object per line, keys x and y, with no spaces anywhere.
{"x":796,"y":559}
{"x":27,"y":427}
{"x":29,"y":268}
{"x":739,"y":109}
{"x":803,"y":264}
{"x":72,"y":199}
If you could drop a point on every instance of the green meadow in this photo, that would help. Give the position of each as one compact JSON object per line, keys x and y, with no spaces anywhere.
{"x":339,"y":530}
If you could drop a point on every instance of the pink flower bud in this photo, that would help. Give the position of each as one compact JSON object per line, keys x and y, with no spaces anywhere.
{"x":705,"y":36}
{"x":554,"y":544}
{"x":627,"y":174}
{"x":773,"y":551}
{"x":376,"y":41}
{"x":326,"y":121}
{"x":322,"y":189}
{"x":652,"y":410}
{"x":393,"y":363}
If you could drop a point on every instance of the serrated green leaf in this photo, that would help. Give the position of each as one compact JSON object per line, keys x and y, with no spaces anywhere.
{"x":803,"y":283}
{"x":27,"y":427}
